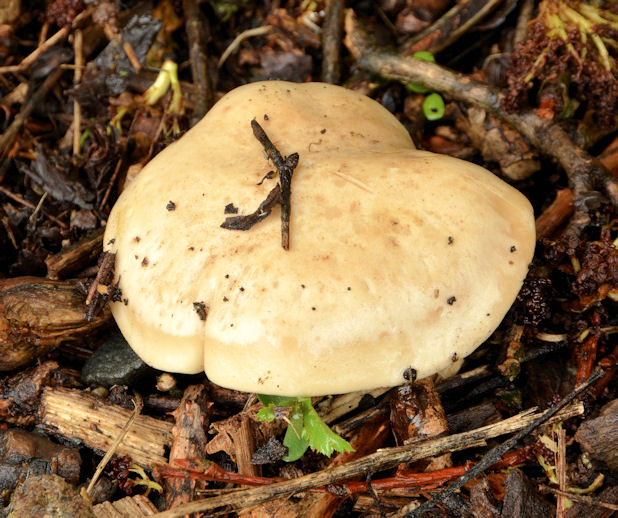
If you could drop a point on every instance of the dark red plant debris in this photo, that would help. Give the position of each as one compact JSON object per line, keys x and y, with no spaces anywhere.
{"x":562,"y":64}
{"x":80,"y":117}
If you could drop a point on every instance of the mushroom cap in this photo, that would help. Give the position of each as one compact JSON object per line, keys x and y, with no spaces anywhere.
{"x":399,"y":259}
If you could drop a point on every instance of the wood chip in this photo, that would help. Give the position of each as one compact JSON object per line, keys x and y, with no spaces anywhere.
{"x":129,"y":507}
{"x":78,"y":415}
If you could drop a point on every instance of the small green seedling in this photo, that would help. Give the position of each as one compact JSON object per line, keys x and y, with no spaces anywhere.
{"x":433,"y":105}
{"x":305,"y":427}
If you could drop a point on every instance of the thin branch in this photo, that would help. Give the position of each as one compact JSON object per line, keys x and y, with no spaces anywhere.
{"x":331,"y":41}
{"x":447,"y":29}
{"x":196,"y":27}
{"x":34,"y":55}
{"x":583,"y":499}
{"x":6,"y":139}
{"x":138,"y":405}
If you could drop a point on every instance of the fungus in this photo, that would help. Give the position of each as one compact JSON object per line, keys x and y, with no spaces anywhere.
{"x":377,"y":229}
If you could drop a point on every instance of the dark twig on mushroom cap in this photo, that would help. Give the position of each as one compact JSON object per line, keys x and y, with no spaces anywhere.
{"x":280,"y":194}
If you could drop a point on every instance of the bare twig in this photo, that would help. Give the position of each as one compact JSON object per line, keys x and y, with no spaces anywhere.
{"x":26,"y":203}
{"x":331,"y":41}
{"x":450,"y":26}
{"x":280,"y":194}
{"x":78,"y":46}
{"x":138,"y":405}
{"x":583,"y":499}
{"x":34,"y":55}
{"x":196,"y":27}
{"x":6,"y":139}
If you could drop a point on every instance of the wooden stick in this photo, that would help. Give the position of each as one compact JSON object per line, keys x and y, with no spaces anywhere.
{"x":196,"y":27}
{"x":34,"y":55}
{"x":331,"y":41}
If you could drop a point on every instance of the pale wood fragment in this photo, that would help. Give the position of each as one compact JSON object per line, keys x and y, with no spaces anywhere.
{"x":78,"y":415}
{"x":129,"y":507}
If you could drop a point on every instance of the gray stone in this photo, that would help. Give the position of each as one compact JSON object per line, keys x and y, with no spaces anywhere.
{"x":114,"y":363}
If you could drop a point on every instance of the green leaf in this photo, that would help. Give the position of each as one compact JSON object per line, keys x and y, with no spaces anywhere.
{"x":433,"y":107}
{"x":266,"y":414}
{"x":294,"y":436}
{"x":424,"y":55}
{"x":319,"y":436}
{"x":266,"y":400}
{"x":417,"y":89}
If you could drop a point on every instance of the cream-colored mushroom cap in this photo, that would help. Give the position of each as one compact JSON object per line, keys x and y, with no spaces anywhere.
{"x":399,"y":259}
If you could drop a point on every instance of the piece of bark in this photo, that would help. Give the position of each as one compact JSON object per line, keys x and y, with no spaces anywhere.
{"x":522,"y":500}
{"x":498,"y":142}
{"x":128,"y":507}
{"x":226,"y":431}
{"x":244,"y":444}
{"x":19,"y":397}
{"x":417,"y":414}
{"x":75,"y":257}
{"x":188,"y":441}
{"x":48,"y":495}
{"x":473,"y":417}
{"x":599,"y":437}
{"x":37,"y":315}
{"x":24,"y":454}
{"x":78,"y":415}
{"x":482,"y":501}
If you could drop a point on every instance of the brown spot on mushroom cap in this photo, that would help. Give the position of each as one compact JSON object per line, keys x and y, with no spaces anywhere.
{"x":366,"y":339}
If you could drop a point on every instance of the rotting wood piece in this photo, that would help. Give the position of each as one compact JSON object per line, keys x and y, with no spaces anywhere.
{"x":24,"y":453}
{"x":78,"y":415}
{"x":75,"y":257}
{"x":188,"y":441}
{"x":599,"y":436}
{"x":19,"y":395}
{"x":37,"y":315}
